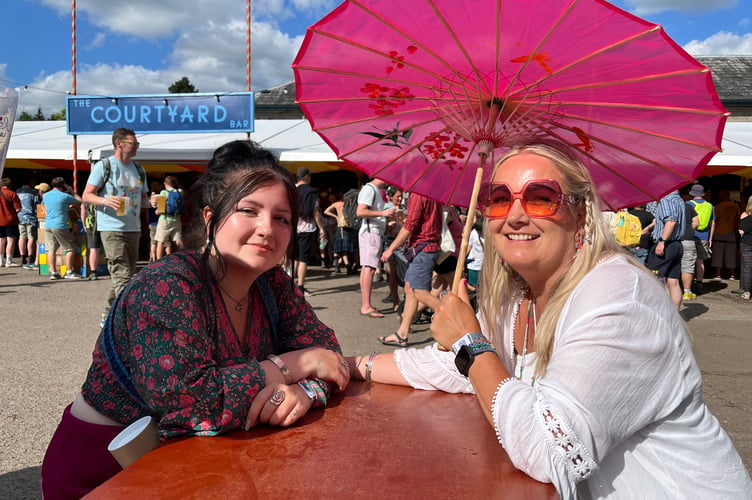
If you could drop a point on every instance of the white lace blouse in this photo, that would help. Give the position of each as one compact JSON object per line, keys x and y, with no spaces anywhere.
{"x":619,"y":413}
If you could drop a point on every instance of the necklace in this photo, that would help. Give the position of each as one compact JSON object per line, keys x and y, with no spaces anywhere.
{"x":238,"y":302}
{"x":531,"y":313}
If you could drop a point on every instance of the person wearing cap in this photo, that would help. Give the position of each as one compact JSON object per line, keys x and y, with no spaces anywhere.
{"x":704,"y":231}
{"x":57,"y":230}
{"x":40,"y":188}
{"x":310,"y":225}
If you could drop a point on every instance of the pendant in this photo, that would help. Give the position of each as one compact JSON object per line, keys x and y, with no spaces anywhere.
{"x":238,"y":307}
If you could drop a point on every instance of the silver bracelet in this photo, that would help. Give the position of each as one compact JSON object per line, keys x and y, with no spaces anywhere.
{"x":369,"y":365}
{"x":282,"y":368}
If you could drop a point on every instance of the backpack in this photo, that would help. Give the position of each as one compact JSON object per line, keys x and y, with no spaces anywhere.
{"x":704,"y":213}
{"x":628,"y":230}
{"x":174,"y":203}
{"x":107,"y":168}
{"x":90,"y":221}
{"x":350,"y":210}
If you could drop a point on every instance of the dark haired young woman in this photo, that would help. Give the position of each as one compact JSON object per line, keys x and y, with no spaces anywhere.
{"x":199,"y":332}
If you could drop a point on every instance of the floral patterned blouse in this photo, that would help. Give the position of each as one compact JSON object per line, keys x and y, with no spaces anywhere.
{"x":174,"y":336}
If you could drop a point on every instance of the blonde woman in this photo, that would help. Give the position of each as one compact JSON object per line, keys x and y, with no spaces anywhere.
{"x":577,"y":357}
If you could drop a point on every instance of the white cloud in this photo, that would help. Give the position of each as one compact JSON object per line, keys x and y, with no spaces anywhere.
{"x":209,"y":47}
{"x":647,"y":7}
{"x":723,"y":43}
{"x":98,"y":41}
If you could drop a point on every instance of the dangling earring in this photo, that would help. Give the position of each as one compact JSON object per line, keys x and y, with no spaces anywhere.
{"x":578,"y":240}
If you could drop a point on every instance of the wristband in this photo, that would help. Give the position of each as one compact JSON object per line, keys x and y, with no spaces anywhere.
{"x":282,"y":368}
{"x":467,"y":339}
{"x":309,"y":392}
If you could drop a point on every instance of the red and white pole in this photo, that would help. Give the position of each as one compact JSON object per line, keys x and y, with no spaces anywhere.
{"x":73,"y":90}
{"x":248,"y":50}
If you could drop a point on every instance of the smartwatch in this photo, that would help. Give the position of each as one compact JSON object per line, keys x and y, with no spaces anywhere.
{"x":467,"y":353}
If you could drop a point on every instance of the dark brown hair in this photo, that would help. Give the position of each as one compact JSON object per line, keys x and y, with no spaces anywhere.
{"x":235,"y":170}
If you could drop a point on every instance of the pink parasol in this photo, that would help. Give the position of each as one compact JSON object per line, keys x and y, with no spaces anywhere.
{"x":421,"y":94}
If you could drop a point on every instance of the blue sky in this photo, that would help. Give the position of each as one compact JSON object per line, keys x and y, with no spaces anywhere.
{"x":143,"y":46}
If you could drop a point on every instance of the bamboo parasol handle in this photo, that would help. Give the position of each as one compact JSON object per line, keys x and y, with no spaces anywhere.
{"x":483,"y":153}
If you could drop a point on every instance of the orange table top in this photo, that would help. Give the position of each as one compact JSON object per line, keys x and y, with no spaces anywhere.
{"x":373,"y":441}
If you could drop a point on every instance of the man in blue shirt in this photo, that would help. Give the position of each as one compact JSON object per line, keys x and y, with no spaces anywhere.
{"x":119,"y":198}
{"x":57,"y":230}
{"x":666,"y":254}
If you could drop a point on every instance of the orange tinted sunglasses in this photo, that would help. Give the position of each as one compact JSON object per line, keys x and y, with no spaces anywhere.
{"x":539,"y":198}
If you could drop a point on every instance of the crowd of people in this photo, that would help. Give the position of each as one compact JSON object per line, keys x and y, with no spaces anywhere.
{"x":550,"y":303}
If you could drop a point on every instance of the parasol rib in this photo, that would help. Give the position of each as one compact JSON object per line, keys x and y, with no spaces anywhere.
{"x":599,"y":52}
{"x":413,"y":40}
{"x":625,"y":81}
{"x":529,"y":60}
{"x":709,"y":147}
{"x":631,"y":154}
{"x":646,"y":107}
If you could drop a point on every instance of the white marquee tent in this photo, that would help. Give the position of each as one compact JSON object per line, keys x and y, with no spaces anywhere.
{"x":45,"y":145}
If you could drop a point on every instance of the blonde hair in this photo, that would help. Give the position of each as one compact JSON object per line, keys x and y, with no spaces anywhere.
{"x":500,"y":284}
{"x":749,"y":206}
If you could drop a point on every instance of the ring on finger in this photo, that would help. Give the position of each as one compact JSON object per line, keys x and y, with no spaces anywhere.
{"x":345,"y":364}
{"x":277,"y":398}
{"x":443,"y":293}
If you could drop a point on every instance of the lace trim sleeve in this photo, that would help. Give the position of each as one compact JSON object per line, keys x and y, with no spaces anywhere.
{"x":495,"y":408}
{"x":563,"y":443}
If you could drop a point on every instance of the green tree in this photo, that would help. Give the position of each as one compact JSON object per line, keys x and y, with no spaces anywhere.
{"x":39,"y":116}
{"x":58,"y":116}
{"x":182,"y":86}
{"x":24,"y":117}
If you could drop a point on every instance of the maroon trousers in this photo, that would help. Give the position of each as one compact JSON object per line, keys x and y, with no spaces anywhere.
{"x":77,"y":460}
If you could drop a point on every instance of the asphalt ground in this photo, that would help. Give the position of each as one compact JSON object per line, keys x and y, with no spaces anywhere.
{"x":49,"y":328}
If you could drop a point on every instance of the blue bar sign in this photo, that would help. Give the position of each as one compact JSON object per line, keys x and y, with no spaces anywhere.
{"x":160,"y":114}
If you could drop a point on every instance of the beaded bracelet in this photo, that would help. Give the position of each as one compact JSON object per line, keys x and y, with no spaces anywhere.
{"x":282,"y":368}
{"x":369,"y":365}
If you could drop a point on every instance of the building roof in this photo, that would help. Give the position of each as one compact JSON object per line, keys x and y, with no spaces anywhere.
{"x":732,"y":76}
{"x":281,"y":95}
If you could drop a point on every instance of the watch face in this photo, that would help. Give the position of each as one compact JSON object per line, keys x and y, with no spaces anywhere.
{"x":464,"y":359}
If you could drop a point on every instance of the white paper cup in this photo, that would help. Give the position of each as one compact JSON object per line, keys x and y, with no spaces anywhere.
{"x":134,"y":441}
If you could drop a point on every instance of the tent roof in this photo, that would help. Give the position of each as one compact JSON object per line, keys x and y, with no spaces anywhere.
{"x":45,"y":144}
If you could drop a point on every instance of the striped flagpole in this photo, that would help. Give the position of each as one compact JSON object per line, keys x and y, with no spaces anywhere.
{"x":248,"y":50}
{"x":73,"y":91}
